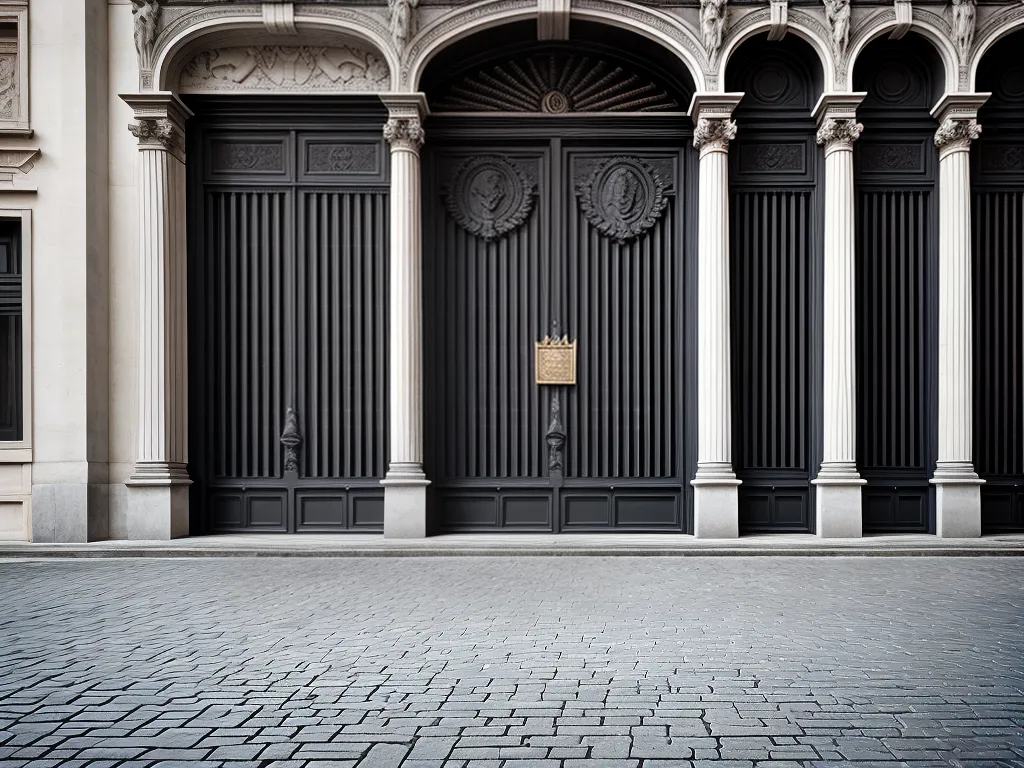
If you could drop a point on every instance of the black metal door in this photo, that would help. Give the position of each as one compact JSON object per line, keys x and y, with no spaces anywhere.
{"x":998,"y":280}
{"x":895,"y":163}
{"x":534,"y":235}
{"x":288,"y":285}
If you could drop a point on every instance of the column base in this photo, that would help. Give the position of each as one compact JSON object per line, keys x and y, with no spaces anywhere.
{"x":405,"y":504}
{"x":157,"y":512}
{"x":957,"y":501}
{"x":838,"y":508}
{"x":716,"y":504}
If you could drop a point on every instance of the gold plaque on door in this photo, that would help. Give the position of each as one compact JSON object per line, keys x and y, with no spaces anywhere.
{"x":556,"y":361}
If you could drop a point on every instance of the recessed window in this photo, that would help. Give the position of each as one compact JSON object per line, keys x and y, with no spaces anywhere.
{"x":11,"y":349}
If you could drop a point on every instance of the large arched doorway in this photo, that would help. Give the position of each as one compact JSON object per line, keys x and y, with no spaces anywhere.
{"x":776,"y":244}
{"x":287,"y":266}
{"x":896,"y":166}
{"x":998,"y":281}
{"x":556,"y":181}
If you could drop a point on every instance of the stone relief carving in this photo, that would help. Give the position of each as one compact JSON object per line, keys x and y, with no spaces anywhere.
{"x":772,"y":157}
{"x":713,"y":133}
{"x":232,"y":156}
{"x":963,"y":15}
{"x":956,"y":133}
{"x":159,"y":131}
{"x":1003,"y":158}
{"x":278,"y":67}
{"x":712,"y":25}
{"x":843,"y":131}
{"x":838,"y":14}
{"x":402,"y":18}
{"x":405,"y":133}
{"x":342,"y":158}
{"x":146,"y":15}
{"x":890,"y":157}
{"x":9,"y":87}
{"x":490,"y":196}
{"x":623,"y":198}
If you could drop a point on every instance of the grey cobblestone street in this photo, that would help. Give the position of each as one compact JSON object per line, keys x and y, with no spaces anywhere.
{"x":513,"y":662}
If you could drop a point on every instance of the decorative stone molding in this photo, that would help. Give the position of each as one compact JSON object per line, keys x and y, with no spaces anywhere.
{"x":279,"y":17}
{"x":904,"y":18}
{"x":553,"y":19}
{"x":14,"y":163}
{"x":778,"y":13}
{"x":956,"y":133}
{"x":279,"y":68}
{"x":14,"y":60}
{"x":146,"y":15}
{"x":402,"y":20}
{"x":405,"y":133}
{"x":713,"y":133}
{"x":490,"y":196}
{"x":623,"y":197}
{"x":837,"y":13}
{"x":963,"y":18}
{"x":844,"y":131}
{"x":160,"y":131}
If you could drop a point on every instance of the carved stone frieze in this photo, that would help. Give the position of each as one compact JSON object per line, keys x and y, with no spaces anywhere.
{"x":624,"y":197}
{"x":490,"y":196}
{"x":713,"y":133}
{"x":956,"y":133}
{"x":237,"y":156}
{"x":772,"y":157}
{"x":405,"y":133}
{"x":342,"y":158}
{"x":890,"y":157}
{"x":300,"y":68}
{"x":841,"y":132}
{"x":157,"y":131}
{"x":1003,"y":157}
{"x":10,"y":86}
{"x":146,"y":16}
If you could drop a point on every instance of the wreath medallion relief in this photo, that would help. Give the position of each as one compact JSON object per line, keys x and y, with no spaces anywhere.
{"x":490,"y":196}
{"x":623,"y":198}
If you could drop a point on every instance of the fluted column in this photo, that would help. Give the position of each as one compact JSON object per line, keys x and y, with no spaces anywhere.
{"x":838,"y":494}
{"x":405,"y":499}
{"x":958,"y":491}
{"x":158,"y":487}
{"x":716,"y":499}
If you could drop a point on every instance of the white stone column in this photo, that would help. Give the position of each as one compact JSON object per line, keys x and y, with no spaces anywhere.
{"x":958,"y":487}
{"x":838,"y":504}
{"x":158,"y":488}
{"x":405,"y":485}
{"x":716,"y":496}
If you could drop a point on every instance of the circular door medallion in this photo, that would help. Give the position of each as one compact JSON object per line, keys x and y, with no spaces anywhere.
{"x":489,"y":196}
{"x":623,"y":198}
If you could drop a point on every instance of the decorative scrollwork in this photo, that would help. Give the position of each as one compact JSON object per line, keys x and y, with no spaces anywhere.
{"x":489,"y":196}
{"x":955,"y":133}
{"x":291,"y":439}
{"x":623,"y":198}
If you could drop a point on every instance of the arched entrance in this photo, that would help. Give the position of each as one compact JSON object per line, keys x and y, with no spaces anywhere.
{"x":556,"y":195}
{"x":896,"y":166}
{"x":998,"y":249}
{"x":776,"y":243}
{"x":288,"y":206}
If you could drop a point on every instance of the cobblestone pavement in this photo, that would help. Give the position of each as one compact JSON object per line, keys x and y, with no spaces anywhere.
{"x":513,"y":662}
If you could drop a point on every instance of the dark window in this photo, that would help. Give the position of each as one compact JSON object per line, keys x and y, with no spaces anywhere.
{"x":11,"y":395}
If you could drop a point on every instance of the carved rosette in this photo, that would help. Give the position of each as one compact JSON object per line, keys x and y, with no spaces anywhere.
{"x":405,"y":133}
{"x":714,"y":133}
{"x":158,"y":131}
{"x":489,"y":196}
{"x":956,"y":133}
{"x":839,"y":132}
{"x":623,"y":197}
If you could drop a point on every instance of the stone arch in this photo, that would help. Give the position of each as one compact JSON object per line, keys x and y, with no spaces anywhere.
{"x":929,"y":25}
{"x":1002,"y":23}
{"x":802,"y":24}
{"x":668,"y":32}
{"x":188,"y":35}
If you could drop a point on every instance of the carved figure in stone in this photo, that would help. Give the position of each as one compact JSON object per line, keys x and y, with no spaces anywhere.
{"x":623,"y":197}
{"x":838,"y":14}
{"x":712,"y":23}
{"x":147,"y":19}
{"x":963,"y":26}
{"x":489,"y":196}
{"x":402,"y":21}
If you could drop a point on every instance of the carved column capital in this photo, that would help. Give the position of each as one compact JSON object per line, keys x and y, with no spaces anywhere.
{"x":405,"y":133}
{"x":160,"y":121}
{"x":839,"y":133}
{"x":956,"y":133}
{"x":159,"y":131}
{"x":714,"y":133}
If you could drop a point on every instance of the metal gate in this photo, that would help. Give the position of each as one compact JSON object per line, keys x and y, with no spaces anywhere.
{"x":574,"y":239}
{"x":288,"y":299}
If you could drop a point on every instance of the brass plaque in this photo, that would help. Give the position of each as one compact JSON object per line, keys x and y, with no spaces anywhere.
{"x":556,"y":361}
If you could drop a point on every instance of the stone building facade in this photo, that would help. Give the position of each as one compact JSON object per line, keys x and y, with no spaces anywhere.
{"x":536,"y":265}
